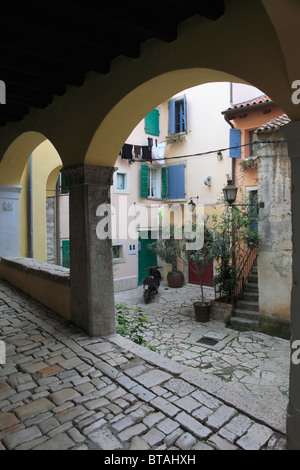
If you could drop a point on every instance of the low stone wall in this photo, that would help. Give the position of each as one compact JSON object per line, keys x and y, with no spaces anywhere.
{"x":220,"y":310}
{"x":47,"y":283}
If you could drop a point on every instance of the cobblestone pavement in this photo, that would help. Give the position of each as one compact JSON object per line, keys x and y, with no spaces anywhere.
{"x":60,"y":389}
{"x":250,"y":361}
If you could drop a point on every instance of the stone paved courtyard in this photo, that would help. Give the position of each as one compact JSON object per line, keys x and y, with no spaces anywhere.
{"x":250,"y":361}
{"x":60,"y":389}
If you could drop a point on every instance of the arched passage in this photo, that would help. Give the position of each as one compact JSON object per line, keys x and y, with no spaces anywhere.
{"x":245,"y":42}
{"x":25,"y":169}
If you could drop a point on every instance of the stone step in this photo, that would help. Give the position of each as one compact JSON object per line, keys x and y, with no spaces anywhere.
{"x":248,"y":305}
{"x":243,"y":324}
{"x":253,"y":278}
{"x":252,"y":296}
{"x":247,"y":314}
{"x":251,"y":287}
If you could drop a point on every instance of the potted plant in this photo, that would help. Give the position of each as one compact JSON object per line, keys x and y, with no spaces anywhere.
{"x":249,"y":163}
{"x":175,"y":138}
{"x":169,"y":250}
{"x":200,"y":260}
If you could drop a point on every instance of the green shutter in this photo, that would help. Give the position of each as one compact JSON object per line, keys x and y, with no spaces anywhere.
{"x":164,"y":183}
{"x":66,"y":253}
{"x":152,"y":123}
{"x":144,"y":181}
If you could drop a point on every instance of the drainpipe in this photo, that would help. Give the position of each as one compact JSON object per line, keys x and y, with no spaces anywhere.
{"x":57,"y":222}
{"x":30,"y":209}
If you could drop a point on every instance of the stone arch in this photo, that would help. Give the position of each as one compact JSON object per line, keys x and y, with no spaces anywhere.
{"x":16,"y":156}
{"x":129,"y":111}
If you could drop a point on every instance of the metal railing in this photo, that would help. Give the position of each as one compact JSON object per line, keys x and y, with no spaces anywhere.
{"x":244,"y":271}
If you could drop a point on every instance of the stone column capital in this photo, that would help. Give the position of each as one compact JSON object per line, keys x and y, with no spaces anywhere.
{"x":10,"y":192}
{"x":89,"y":174}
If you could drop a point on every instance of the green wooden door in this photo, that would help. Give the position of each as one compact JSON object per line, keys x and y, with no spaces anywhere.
{"x":146,"y":258}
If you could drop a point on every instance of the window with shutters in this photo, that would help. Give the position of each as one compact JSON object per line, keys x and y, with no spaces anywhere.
{"x":153,"y":182}
{"x":152,"y":123}
{"x":177,"y":115}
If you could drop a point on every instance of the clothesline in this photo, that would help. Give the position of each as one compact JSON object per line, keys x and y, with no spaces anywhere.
{"x":161,"y":159}
{"x":143,"y":152}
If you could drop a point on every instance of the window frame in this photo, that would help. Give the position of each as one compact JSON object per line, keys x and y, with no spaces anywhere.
{"x":175,"y":126}
{"x":122,"y":257}
{"x":126,"y":176}
{"x":158,"y":182}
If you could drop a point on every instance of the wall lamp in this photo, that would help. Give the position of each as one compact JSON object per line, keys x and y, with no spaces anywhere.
{"x":192,"y":204}
{"x":230,"y":192}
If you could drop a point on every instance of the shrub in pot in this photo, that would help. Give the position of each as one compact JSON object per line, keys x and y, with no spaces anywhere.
{"x":200,"y":260}
{"x":169,"y":250}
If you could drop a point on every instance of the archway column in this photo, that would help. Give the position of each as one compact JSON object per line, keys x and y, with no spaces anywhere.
{"x":292,"y":134}
{"x":9,"y":221}
{"x":91,"y":266}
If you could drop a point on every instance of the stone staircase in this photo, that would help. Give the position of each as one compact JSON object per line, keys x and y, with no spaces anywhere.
{"x":245,"y":316}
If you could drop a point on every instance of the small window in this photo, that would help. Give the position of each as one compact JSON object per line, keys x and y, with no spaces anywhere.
{"x":154,"y":182}
{"x":251,"y":140}
{"x":121,"y":182}
{"x":177,"y":116}
{"x":117,"y":251}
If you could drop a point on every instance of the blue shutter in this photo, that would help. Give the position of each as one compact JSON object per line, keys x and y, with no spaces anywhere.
{"x":171,"y":124}
{"x":235,"y":141}
{"x":184,"y":114}
{"x":176,"y":182}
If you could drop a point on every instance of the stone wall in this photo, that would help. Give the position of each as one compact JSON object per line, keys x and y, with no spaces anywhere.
{"x":47,"y":283}
{"x":275,"y":228}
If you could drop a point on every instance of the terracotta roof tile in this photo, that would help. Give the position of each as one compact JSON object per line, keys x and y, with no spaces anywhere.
{"x":258,"y":100}
{"x":274,"y":124}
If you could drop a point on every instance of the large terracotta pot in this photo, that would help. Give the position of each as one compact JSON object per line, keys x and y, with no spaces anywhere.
{"x":175,"y":279}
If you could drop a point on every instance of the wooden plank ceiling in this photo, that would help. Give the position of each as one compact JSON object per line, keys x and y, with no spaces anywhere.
{"x":46,"y":45}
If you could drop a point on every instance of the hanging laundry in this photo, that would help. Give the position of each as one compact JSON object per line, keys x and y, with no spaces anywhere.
{"x":159,"y":152}
{"x":127,"y":151}
{"x":147,"y":154}
{"x":137,"y":150}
